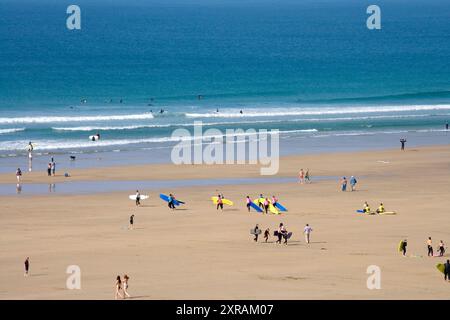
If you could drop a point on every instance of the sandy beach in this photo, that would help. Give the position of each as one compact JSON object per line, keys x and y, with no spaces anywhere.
{"x":199,"y":253}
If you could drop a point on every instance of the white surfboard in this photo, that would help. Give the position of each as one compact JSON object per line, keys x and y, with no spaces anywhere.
{"x":143,"y":197}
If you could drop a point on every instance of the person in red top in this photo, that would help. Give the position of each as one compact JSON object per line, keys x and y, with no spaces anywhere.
{"x":219,"y":203}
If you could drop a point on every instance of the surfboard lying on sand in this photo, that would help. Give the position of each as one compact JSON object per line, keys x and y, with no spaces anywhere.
{"x":166,"y":199}
{"x":143,"y":197}
{"x":440,"y":267}
{"x":252,"y":231}
{"x":280,"y":206}
{"x":388,"y":213}
{"x":254,"y":206}
{"x":225,"y":201}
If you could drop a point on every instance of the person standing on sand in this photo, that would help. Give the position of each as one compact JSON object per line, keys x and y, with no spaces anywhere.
{"x":307,"y":232}
{"x":353,"y":182}
{"x":27,"y":266}
{"x":131,"y":222}
{"x":430,"y":247}
{"x":344,"y":184}
{"x":307,"y":177}
{"x":403,"y":142}
{"x":447,"y":270}
{"x":18,"y":175}
{"x":301,"y":176}
{"x":53,"y":167}
{"x":248,"y":200}
{"x":266,"y":234}
{"x":256,"y":233}
{"x":138,"y":198}
{"x":118,"y":288}
{"x":266,"y":205}
{"x":441,"y":248}
{"x":49,"y":169}
{"x":403,"y":247}
{"x":125,"y":287}
{"x":219,"y":203}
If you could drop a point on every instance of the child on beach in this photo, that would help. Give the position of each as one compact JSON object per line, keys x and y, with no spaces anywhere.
{"x":118,"y":288}
{"x":307,"y":232}
{"x":248,"y":201}
{"x":344,"y":184}
{"x":266,"y":234}
{"x":27,"y":266}
{"x":353,"y":183}
{"x":430,"y":247}
{"x":301,"y":176}
{"x":219,"y":203}
{"x":18,"y":174}
{"x":125,"y":287}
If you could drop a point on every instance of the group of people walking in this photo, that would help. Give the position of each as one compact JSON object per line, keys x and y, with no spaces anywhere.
{"x":281,"y":233}
{"x":352,"y":181}
{"x":122,"y":287}
{"x":304,"y":177}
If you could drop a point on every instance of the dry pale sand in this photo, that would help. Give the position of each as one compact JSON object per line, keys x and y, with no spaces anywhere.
{"x":199,"y":253}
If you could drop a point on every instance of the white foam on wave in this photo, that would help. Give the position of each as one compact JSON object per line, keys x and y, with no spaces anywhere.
{"x":315,"y":111}
{"x":53,"y":119}
{"x":12,"y":130}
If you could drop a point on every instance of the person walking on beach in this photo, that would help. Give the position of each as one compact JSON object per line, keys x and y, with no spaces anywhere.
{"x":131,"y":222}
{"x":403,"y":246}
{"x":307,"y":177}
{"x":266,"y":205}
{"x":27,"y":267}
{"x":256,"y":231}
{"x":125,"y":287}
{"x":49,"y":169}
{"x":18,"y":175}
{"x":353,"y":182}
{"x":447,"y":271}
{"x":261,"y":203}
{"x":266,"y":234}
{"x":118,"y":288}
{"x":301,"y":176}
{"x":274,"y":201}
{"x":138,"y":198}
{"x":430,"y":247}
{"x":344,"y":184}
{"x":219,"y":203}
{"x":441,"y":248}
{"x":170,"y":202}
{"x":248,"y":201}
{"x":307,"y":232}
{"x":403,"y":142}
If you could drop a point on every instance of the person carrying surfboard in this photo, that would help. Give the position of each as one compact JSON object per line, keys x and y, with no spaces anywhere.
{"x":261,"y":203}
{"x":138,"y":198}
{"x":447,"y":271}
{"x":249,"y":201}
{"x":219,"y":203}
{"x":403,"y":246}
{"x":171,"y":202}
{"x":266,"y":205}
{"x":257,"y":231}
{"x":274,"y":201}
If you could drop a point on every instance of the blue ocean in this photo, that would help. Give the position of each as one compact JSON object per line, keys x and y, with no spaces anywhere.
{"x":137,"y":70}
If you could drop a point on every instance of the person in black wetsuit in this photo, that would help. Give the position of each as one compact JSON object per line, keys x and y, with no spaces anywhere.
{"x":403,"y":142}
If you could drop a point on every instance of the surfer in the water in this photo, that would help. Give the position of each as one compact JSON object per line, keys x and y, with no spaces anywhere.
{"x":241,"y":112}
{"x":219,"y":203}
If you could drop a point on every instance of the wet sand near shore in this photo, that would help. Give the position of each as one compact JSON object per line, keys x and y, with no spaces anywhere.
{"x":199,"y":253}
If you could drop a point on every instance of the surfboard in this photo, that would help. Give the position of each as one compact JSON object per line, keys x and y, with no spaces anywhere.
{"x":280,"y":206}
{"x":360,"y":211}
{"x":166,"y":199}
{"x":288,"y":236}
{"x":273,"y":209}
{"x":259,"y":200}
{"x":225,"y":201}
{"x":143,"y":197}
{"x":252,"y":231}
{"x":93,"y":138}
{"x":255,"y":206}
{"x":400,"y":246}
{"x":388,"y":213}
{"x":440,"y":267}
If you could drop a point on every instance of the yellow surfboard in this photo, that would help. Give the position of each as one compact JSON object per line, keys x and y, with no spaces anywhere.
{"x":271,"y":207}
{"x":225,"y":201}
{"x":400,"y":246}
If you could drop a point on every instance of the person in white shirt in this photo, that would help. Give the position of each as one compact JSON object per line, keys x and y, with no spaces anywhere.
{"x":307,"y":232}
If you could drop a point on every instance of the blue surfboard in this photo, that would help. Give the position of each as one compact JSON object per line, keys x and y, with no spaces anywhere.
{"x":279,"y":206}
{"x":254,"y":206}
{"x":360,"y":211}
{"x":166,"y":199}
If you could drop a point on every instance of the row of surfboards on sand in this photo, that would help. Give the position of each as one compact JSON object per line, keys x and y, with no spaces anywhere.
{"x":275,"y":209}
